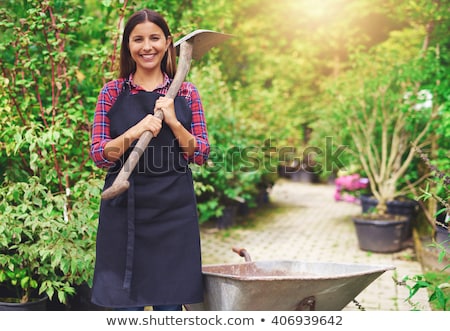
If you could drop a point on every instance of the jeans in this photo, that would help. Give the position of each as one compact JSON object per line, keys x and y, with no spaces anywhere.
{"x":155,"y":308}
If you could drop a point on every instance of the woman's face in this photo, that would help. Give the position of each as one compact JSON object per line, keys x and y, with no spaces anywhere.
{"x":147,"y":45}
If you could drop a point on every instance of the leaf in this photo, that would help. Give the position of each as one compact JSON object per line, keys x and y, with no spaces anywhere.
{"x":62,"y":297}
{"x":24,"y":282}
{"x":50,"y":292}
{"x":65,"y":266}
{"x":441,"y":257}
{"x":18,"y":141}
{"x":56,"y":258}
{"x":33,"y":283}
{"x":33,"y":162}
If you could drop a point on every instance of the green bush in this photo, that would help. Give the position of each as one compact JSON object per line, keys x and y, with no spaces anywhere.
{"x":240,"y":165}
{"x":49,"y":188}
{"x":45,"y":247}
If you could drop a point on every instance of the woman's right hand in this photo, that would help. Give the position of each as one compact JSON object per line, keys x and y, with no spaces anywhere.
{"x":148,"y":123}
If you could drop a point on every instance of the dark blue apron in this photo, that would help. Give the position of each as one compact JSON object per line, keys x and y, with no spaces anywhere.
{"x":148,"y":241}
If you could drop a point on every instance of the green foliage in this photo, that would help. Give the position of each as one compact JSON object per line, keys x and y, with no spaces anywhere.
{"x":46,"y":134}
{"x":436,"y":284}
{"x":380,"y":107}
{"x":260,"y":90}
{"x":48,"y":220}
{"x":45,"y":247}
{"x":239,"y":165}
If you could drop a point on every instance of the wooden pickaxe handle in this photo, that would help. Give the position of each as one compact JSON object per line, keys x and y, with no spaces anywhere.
{"x":121,"y":183}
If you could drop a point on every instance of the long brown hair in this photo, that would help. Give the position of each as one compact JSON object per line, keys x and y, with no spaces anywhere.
{"x":127,"y":64}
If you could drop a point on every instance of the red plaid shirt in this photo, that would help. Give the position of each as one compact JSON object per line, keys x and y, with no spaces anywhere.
{"x":108,"y":95}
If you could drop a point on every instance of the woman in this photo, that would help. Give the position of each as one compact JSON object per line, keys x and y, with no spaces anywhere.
{"x":148,"y":243}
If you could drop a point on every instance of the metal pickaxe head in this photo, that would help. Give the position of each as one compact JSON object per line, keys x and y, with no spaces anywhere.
{"x":202,"y":41}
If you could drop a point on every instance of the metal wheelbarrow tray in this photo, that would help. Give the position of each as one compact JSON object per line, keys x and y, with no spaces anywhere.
{"x":284,"y":285}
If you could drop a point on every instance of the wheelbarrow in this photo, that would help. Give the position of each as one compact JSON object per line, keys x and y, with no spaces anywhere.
{"x":283,"y":285}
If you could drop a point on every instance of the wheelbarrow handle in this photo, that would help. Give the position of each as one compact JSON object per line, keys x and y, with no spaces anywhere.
{"x":243,"y":253}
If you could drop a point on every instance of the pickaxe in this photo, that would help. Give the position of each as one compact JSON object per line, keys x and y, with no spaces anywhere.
{"x":192,"y":46}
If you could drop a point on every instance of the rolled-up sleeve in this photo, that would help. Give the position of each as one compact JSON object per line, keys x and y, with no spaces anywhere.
{"x":100,"y":128}
{"x":198,"y":127}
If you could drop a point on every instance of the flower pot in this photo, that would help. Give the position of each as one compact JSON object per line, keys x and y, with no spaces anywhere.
{"x":443,"y":236}
{"x":263,"y":197}
{"x":36,"y":305}
{"x":228,"y":217}
{"x":403,"y":206}
{"x":381,"y":235}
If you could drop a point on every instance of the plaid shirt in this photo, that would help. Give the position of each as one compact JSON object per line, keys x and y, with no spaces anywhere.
{"x":108,"y":95}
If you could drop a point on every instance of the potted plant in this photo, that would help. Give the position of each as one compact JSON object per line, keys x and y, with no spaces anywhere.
{"x":384,"y":106}
{"x":46,"y":250}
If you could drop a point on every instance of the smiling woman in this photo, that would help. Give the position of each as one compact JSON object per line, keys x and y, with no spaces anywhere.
{"x":159,"y":31}
{"x":148,"y":46}
{"x":154,"y":224}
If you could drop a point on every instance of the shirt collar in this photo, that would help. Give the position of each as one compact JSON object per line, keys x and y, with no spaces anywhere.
{"x":165,"y":83}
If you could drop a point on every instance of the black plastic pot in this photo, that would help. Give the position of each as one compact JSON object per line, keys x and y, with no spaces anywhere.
{"x":228,"y":217}
{"x":381,"y":235}
{"x":403,"y":206}
{"x":35,"y":305}
{"x":443,"y":236}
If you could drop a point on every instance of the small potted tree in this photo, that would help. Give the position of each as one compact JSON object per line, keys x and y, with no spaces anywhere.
{"x":384,"y":106}
{"x":46,"y":251}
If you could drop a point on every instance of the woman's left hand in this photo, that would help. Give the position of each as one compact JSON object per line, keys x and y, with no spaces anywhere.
{"x":187,"y":141}
{"x":167,"y":106}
